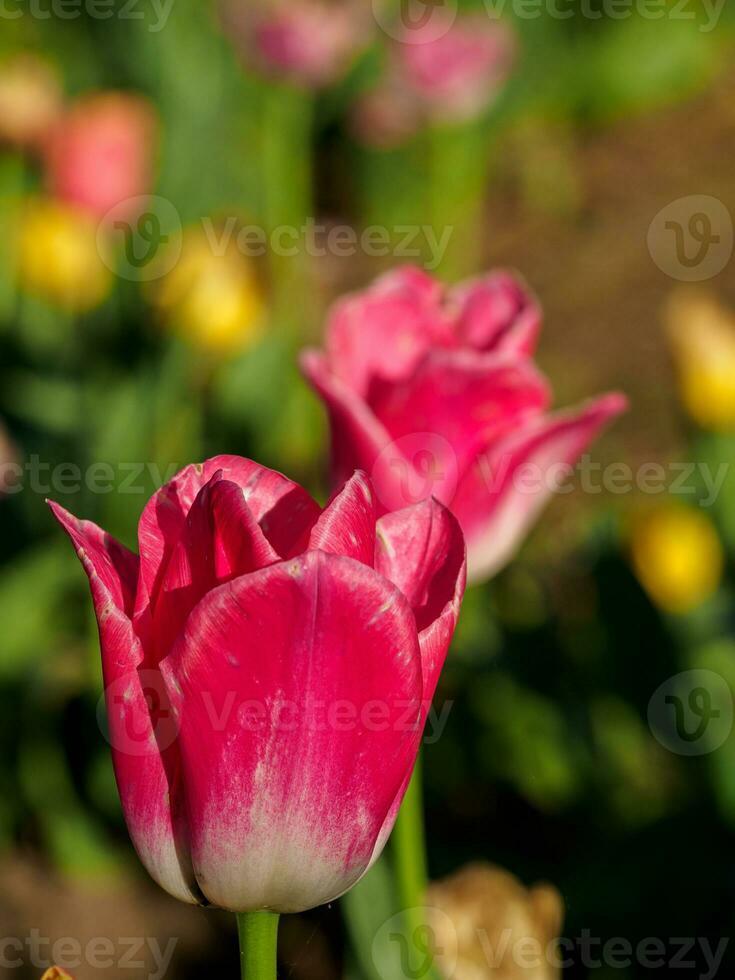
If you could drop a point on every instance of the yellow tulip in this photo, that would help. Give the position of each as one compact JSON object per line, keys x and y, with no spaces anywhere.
{"x":59,"y":256}
{"x":677,"y":556}
{"x":56,"y":973}
{"x":702,"y":335}
{"x":212,"y":300}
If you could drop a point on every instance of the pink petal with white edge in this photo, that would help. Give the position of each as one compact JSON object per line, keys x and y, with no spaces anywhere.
{"x":290,"y":765}
{"x":494,"y":511}
{"x":356,"y":435}
{"x":421,"y":549}
{"x":283,"y":509}
{"x":142,"y":745}
{"x":497,"y":312}
{"x":347,"y":523}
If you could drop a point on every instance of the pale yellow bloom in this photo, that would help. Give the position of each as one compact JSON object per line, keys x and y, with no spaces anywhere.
{"x":59,"y":256}
{"x":677,"y":556}
{"x":30,"y":100}
{"x":482,"y":907}
{"x":702,"y":335}
{"x":212,"y":300}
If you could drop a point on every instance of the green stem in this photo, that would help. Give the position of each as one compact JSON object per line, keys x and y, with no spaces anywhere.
{"x":409,"y":846}
{"x":287,"y":134}
{"x":258,"y":933}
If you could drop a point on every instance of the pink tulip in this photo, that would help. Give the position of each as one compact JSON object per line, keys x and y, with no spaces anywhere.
{"x":307,"y":42}
{"x":101,"y":154}
{"x":444,"y":71}
{"x":457,"y":72}
{"x":268,"y":666}
{"x":434,"y":392}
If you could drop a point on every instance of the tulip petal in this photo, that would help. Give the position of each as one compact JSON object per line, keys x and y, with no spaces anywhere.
{"x":347,"y":523}
{"x":143,"y":755}
{"x":497,"y":312}
{"x":111,"y":567}
{"x":219,"y":541}
{"x":285,"y":799}
{"x":357,"y":436}
{"x":386,"y":330}
{"x":283,"y":509}
{"x":467,"y":398}
{"x":421,"y":549}
{"x":495,"y":508}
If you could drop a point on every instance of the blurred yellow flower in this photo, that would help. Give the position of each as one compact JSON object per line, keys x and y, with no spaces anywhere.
{"x":677,"y":556}
{"x":56,"y":973}
{"x":702,"y":336}
{"x":30,"y":100}
{"x":59,"y":256}
{"x":212,"y":300}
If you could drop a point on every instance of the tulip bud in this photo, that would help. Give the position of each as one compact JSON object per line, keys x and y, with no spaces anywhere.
{"x":677,"y":556}
{"x":30,"y":101}
{"x":59,"y":256}
{"x":307,"y":42}
{"x":702,"y":336}
{"x":495,"y":923}
{"x":101,"y":153}
{"x":212,"y":300}
{"x":269,"y":667}
{"x":56,"y":973}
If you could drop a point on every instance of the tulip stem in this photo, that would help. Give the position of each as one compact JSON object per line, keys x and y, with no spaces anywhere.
{"x":286,"y":133}
{"x":258,"y":932}
{"x":409,"y":846}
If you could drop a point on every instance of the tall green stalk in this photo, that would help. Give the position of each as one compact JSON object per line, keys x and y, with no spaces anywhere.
{"x":409,"y":846}
{"x":287,"y":201}
{"x":258,"y":934}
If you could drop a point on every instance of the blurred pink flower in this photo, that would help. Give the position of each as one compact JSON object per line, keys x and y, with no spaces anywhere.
{"x":435,"y":75}
{"x":102,"y":153}
{"x":434,"y":393}
{"x":307,"y":42}
{"x":247,"y":593}
{"x":457,"y":74}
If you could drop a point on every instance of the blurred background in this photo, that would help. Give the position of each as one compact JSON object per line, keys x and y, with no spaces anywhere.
{"x":140,"y":332}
